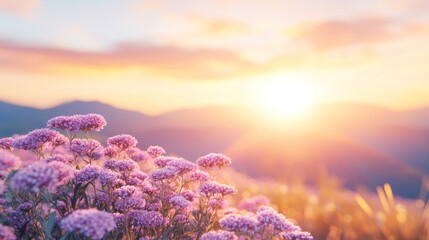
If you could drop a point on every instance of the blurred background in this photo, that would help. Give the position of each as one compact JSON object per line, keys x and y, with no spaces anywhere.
{"x":322,"y":105}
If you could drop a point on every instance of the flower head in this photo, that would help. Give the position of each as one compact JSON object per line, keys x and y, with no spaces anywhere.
{"x":212,"y":188}
{"x":108,"y":176}
{"x":7,"y":233}
{"x":213,"y":160}
{"x":239,"y":223}
{"x":8,"y":161}
{"x":198,"y":176}
{"x":84,"y":147}
{"x":155,"y":151}
{"x":218,"y":235}
{"x":253,"y":203}
{"x":91,"y":122}
{"x":179,"y":202}
{"x":88,"y":173}
{"x":163,"y":173}
{"x":36,"y":140}
{"x":91,"y":223}
{"x":267,"y":216}
{"x":147,"y":219}
{"x":64,"y":158}
{"x":122,"y":142}
{"x":297,"y":235}
{"x":6,"y":143}
{"x":38,"y":176}
{"x":181,"y":165}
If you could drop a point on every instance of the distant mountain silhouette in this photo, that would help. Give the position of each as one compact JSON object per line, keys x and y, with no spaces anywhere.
{"x":361,"y":144}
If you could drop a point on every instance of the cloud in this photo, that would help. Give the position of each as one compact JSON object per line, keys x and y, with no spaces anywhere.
{"x":19,"y":7}
{"x":218,"y":28}
{"x":164,"y":61}
{"x":331,"y":34}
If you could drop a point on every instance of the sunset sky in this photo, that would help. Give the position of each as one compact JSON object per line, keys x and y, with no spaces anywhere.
{"x":156,"y":56}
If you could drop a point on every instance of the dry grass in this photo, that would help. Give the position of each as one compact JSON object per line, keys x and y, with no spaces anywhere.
{"x":332,"y":212}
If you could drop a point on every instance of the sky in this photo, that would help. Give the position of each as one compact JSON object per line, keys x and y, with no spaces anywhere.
{"x":157,"y":56}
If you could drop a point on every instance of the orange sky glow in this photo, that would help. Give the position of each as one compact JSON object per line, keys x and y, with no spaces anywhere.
{"x":157,"y":56}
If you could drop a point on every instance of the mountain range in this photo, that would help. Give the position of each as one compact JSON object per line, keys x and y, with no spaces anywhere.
{"x":363,"y":145}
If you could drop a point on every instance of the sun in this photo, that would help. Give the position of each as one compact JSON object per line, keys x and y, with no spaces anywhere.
{"x":285,"y":98}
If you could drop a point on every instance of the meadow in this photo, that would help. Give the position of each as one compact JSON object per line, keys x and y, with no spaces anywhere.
{"x":57,"y":186}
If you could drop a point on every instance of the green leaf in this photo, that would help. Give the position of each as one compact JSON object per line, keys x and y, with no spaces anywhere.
{"x":50,"y":225}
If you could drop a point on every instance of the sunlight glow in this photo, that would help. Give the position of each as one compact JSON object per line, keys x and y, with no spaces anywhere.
{"x":286,"y":98}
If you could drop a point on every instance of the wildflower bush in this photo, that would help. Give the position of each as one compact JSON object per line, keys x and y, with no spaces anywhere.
{"x":71,"y":187}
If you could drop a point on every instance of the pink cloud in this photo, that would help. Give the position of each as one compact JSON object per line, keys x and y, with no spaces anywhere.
{"x":19,"y":7}
{"x":339,"y":33}
{"x":167,"y":61}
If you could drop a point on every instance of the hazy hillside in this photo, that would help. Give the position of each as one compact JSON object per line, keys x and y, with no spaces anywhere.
{"x":361,"y":144}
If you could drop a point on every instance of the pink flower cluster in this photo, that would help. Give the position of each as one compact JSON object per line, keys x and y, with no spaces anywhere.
{"x":122,"y":142}
{"x":8,"y":161}
{"x":213,"y":160}
{"x":40,"y":176}
{"x":7,"y":233}
{"x":155,"y":151}
{"x":218,"y":235}
{"x":128,"y":193}
{"x":91,"y":223}
{"x":37,"y":139}
{"x":215,"y":188}
{"x":85,"y":148}
{"x":89,"y":122}
{"x":6,"y":143}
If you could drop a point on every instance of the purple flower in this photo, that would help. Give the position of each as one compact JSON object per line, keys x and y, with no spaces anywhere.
{"x":110,"y":151}
{"x":37,"y":176}
{"x":218,"y":235}
{"x":36,"y":139}
{"x":67,"y":123}
{"x":252,"y":204}
{"x":162,"y":161}
{"x":155,"y":151}
{"x":122,"y":142}
{"x":136,"y":178}
{"x":65,"y":172}
{"x":133,"y":202}
{"x":198,"y":176}
{"x":108,"y":176}
{"x":180,"y":203}
{"x":267,"y":216}
{"x":189,"y":195}
{"x":88,"y":173}
{"x":137,"y":154}
{"x":239,"y":223}
{"x":181,"y":165}
{"x":7,"y":233}
{"x":212,"y":188}
{"x":6,"y":143}
{"x":17,"y":218}
{"x":125,"y":191}
{"x":297,"y":235}
{"x":64,"y":158}
{"x":125,"y":165}
{"x":147,"y":219}
{"x":91,"y":122}
{"x":180,"y":218}
{"x":212,"y":160}
{"x":91,"y":223}
{"x":59,"y":140}
{"x":8,"y":161}
{"x":119,"y":219}
{"x":163,"y":173}
{"x":84,"y":147}
{"x":25,"y":206}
